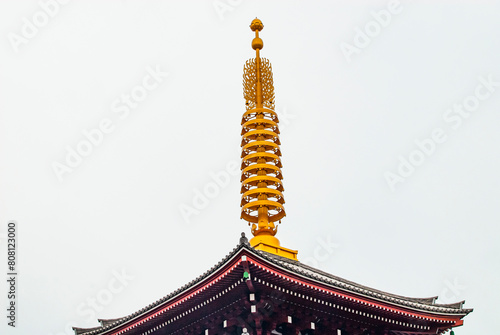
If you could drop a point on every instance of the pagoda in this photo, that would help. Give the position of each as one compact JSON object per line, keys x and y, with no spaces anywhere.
{"x":262,"y":288}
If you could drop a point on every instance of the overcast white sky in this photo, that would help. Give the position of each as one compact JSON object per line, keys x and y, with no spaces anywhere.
{"x":106,"y":236}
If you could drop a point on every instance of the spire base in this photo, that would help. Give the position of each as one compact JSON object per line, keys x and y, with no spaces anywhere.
{"x":271,"y":245}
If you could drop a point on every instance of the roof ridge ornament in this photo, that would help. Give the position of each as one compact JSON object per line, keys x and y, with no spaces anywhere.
{"x":261,"y":187}
{"x":244,"y":239}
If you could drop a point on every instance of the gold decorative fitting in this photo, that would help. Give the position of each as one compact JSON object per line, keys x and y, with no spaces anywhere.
{"x":256,"y":25}
{"x":261,"y":178}
{"x":257,"y":43}
{"x":250,"y":83}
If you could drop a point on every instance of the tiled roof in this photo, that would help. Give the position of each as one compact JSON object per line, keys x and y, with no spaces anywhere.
{"x":105,"y":322}
{"x":119,"y":321}
{"x":297,"y":268}
{"x":427,"y":304}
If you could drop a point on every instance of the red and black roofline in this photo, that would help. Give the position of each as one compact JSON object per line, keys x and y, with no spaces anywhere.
{"x":244,"y":254}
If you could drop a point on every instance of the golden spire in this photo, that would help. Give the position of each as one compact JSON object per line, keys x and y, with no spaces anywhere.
{"x":261,"y":187}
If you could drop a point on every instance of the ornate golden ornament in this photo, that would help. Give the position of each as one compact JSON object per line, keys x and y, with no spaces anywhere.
{"x":250,"y":83}
{"x":261,"y":177}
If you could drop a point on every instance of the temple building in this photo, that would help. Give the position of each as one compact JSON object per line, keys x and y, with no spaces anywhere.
{"x":261,"y":287}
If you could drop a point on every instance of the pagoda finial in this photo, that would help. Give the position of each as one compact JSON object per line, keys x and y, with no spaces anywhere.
{"x":257,"y":43}
{"x":262,"y":199}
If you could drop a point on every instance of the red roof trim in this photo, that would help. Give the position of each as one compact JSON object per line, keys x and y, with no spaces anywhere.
{"x":179,"y":300}
{"x":358,"y":300}
{"x":233,"y":262}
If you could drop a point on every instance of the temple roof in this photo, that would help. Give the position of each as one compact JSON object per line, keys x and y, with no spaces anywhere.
{"x":341,"y":283}
{"x":287,"y":267}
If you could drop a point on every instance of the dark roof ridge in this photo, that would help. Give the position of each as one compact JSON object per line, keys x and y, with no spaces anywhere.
{"x":118,"y":321}
{"x":105,"y":322}
{"x":453,"y":305}
{"x":425,"y":303}
{"x":301,"y":268}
